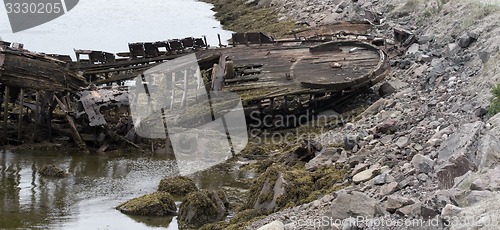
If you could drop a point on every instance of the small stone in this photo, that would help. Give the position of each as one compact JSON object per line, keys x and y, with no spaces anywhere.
{"x":275,"y":225}
{"x":316,"y":203}
{"x":434,"y":124}
{"x":422,"y":177}
{"x":336,"y":65}
{"x":423,"y":39}
{"x":418,"y":147}
{"x":386,"y":89}
{"x":450,"y":210}
{"x":413,"y":49}
{"x":410,"y":210}
{"x":365,"y":175}
{"x":484,"y":56}
{"x":327,"y":198}
{"x":387,"y":127}
{"x":402,"y":142}
{"x":380,"y":179}
{"x":290,"y":226}
{"x":429,"y":212}
{"x":405,"y":183}
{"x":350,"y":141}
{"x":451,"y":49}
{"x":343,"y":158}
{"x":395,"y":202}
{"x":422,"y":164}
{"x":369,"y":138}
{"x":424,"y":58}
{"x":476,"y":196}
{"x":465,"y":40}
{"x":358,"y":168}
{"x":52,"y":171}
{"x":388,"y":188}
{"x":386,"y":140}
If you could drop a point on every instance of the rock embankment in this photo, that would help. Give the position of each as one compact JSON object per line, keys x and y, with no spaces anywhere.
{"x":426,"y":151}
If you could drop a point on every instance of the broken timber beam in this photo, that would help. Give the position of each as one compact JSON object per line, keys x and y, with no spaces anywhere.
{"x":74,"y":131}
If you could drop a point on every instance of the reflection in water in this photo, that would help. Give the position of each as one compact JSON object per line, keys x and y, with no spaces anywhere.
{"x":86,"y":198}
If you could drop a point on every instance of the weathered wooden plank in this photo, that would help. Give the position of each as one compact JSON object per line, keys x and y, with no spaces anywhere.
{"x":20,"y":120}
{"x":5,"y":114}
{"x":29,"y":70}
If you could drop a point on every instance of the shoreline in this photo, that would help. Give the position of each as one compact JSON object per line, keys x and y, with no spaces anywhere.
{"x":386,"y":182}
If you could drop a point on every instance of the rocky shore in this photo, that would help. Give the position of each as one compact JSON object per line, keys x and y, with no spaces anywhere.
{"x":426,"y":154}
{"x":422,"y":151}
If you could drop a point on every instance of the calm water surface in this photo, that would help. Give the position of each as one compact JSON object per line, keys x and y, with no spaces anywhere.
{"x":86,"y":198}
{"x":96,"y":184}
{"x":109,"y":25}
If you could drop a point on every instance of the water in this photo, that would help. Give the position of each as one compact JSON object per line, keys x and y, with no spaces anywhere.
{"x":109,"y":25}
{"x":86,"y":198}
{"x":96,"y":184}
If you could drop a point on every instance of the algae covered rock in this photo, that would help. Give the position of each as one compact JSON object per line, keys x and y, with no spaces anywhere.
{"x":200,"y":208}
{"x":52,"y":171}
{"x":177,"y":186}
{"x":154,"y":204}
{"x":282,"y":187}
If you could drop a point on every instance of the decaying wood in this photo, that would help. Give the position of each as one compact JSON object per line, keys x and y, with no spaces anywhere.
{"x":5,"y":114}
{"x":23,"y":69}
{"x":74,"y":131}
{"x":20,"y":120}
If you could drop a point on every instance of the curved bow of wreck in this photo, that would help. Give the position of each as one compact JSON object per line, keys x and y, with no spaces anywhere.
{"x":23,"y":69}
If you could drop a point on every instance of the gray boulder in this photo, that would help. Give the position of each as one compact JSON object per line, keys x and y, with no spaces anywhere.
{"x":154,"y":204}
{"x":355,"y":204}
{"x":179,"y":185}
{"x":466,"y":39}
{"x":275,"y":225}
{"x":52,"y":170}
{"x":200,"y":208}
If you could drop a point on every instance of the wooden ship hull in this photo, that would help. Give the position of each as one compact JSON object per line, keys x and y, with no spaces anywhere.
{"x":293,"y":76}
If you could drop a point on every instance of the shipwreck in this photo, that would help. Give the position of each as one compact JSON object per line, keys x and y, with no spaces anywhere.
{"x":89,"y":98}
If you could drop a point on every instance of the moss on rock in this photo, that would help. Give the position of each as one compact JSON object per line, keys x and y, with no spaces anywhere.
{"x":200,"y":208}
{"x":177,"y":186}
{"x":215,"y":226}
{"x":52,"y":171}
{"x":296,"y":186}
{"x":154,"y":204}
{"x":240,"y":17}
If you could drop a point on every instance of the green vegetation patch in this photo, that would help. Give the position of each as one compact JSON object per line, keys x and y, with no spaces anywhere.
{"x":495,"y":101}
